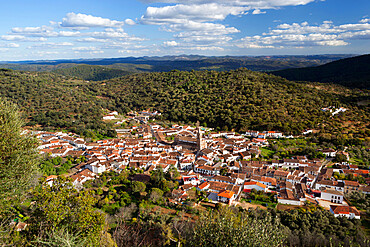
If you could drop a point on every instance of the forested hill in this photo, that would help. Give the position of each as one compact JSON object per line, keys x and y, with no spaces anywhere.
{"x":238,"y":99}
{"x":351,"y":72}
{"x":103,"y":69}
{"x":50,"y":100}
{"x":92,"y":72}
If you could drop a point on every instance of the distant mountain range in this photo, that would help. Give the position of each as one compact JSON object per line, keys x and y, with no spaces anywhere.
{"x":350,"y":72}
{"x":107,"y":68}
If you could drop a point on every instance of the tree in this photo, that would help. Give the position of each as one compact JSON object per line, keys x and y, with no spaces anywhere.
{"x":226,"y":227}
{"x":138,"y":187}
{"x":156,"y":195}
{"x":18,"y":156}
{"x":340,"y":158}
{"x":223,"y":171}
{"x":61,"y":206}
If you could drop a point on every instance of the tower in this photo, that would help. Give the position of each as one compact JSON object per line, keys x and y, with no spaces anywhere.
{"x":201,"y":144}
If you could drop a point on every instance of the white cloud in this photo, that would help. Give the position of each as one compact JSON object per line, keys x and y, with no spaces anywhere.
{"x":252,"y":3}
{"x":182,"y":13}
{"x":91,"y":39}
{"x":69,"y":34}
{"x":120,"y":45}
{"x":21,"y":38}
{"x":365,"y":20}
{"x":9,"y":45}
{"x":298,"y":35}
{"x":170,"y":43}
{"x":83,"y":20}
{"x":44,"y":31}
{"x":111,"y":33}
{"x":85,"y":48}
{"x":128,"y":51}
{"x":130,"y":22}
{"x":215,"y":28}
{"x":357,"y":26}
{"x":31,"y":29}
{"x":51,"y":45}
{"x":332,"y":43}
{"x":194,"y":23}
{"x":90,"y":50}
{"x":258,"y":12}
{"x":206,"y":48}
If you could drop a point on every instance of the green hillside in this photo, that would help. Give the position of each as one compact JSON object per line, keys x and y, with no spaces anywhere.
{"x":92,"y":72}
{"x":352,"y":72}
{"x":238,"y":99}
{"x":49,"y":100}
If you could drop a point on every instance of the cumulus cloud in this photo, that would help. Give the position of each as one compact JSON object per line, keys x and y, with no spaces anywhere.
{"x":21,"y":38}
{"x":51,"y":45}
{"x":69,"y":34}
{"x":215,"y":28}
{"x":170,"y":43}
{"x":31,"y":29}
{"x":83,"y":20}
{"x":190,"y":23}
{"x":365,"y":20}
{"x":300,"y":35}
{"x":130,"y":22}
{"x":252,"y":3}
{"x":45,"y":53}
{"x":9,"y":45}
{"x":197,"y":22}
{"x":92,"y":40}
{"x":44,"y":31}
{"x":206,"y":48}
{"x":113,"y":33}
{"x":258,"y":12}
{"x":182,"y":13}
{"x":87,"y":49}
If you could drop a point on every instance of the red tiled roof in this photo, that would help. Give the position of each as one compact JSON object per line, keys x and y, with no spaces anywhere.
{"x":344,"y":210}
{"x":226,"y":193}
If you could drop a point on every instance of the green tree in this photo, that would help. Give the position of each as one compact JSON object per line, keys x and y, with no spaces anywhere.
{"x":138,"y":187}
{"x":61,"y":206}
{"x":228,"y":228}
{"x":156,"y":195}
{"x":18,"y":156}
{"x":340,"y":158}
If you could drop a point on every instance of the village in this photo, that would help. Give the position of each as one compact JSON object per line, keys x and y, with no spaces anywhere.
{"x":222,"y":165}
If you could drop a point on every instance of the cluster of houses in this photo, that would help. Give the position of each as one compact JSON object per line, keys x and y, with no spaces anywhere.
{"x":111,"y":116}
{"x":219,"y":164}
{"x":289,"y":179}
{"x":264,"y":134}
{"x":333,"y":110}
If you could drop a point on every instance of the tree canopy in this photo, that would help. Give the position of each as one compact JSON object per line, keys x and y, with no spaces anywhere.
{"x":18,"y":155}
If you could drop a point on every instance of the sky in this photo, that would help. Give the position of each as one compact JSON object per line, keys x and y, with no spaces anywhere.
{"x":72,"y":29}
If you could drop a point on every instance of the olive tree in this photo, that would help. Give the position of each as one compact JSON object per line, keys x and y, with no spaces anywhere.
{"x":18,"y":155}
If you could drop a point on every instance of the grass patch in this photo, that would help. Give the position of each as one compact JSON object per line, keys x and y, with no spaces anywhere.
{"x":256,"y":202}
{"x":267,"y":152}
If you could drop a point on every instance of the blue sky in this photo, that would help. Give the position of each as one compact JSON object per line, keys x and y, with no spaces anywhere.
{"x":41,"y":29}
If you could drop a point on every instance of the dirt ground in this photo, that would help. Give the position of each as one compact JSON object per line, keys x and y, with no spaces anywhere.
{"x":247,"y":205}
{"x":287,"y":207}
{"x":326,"y":204}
